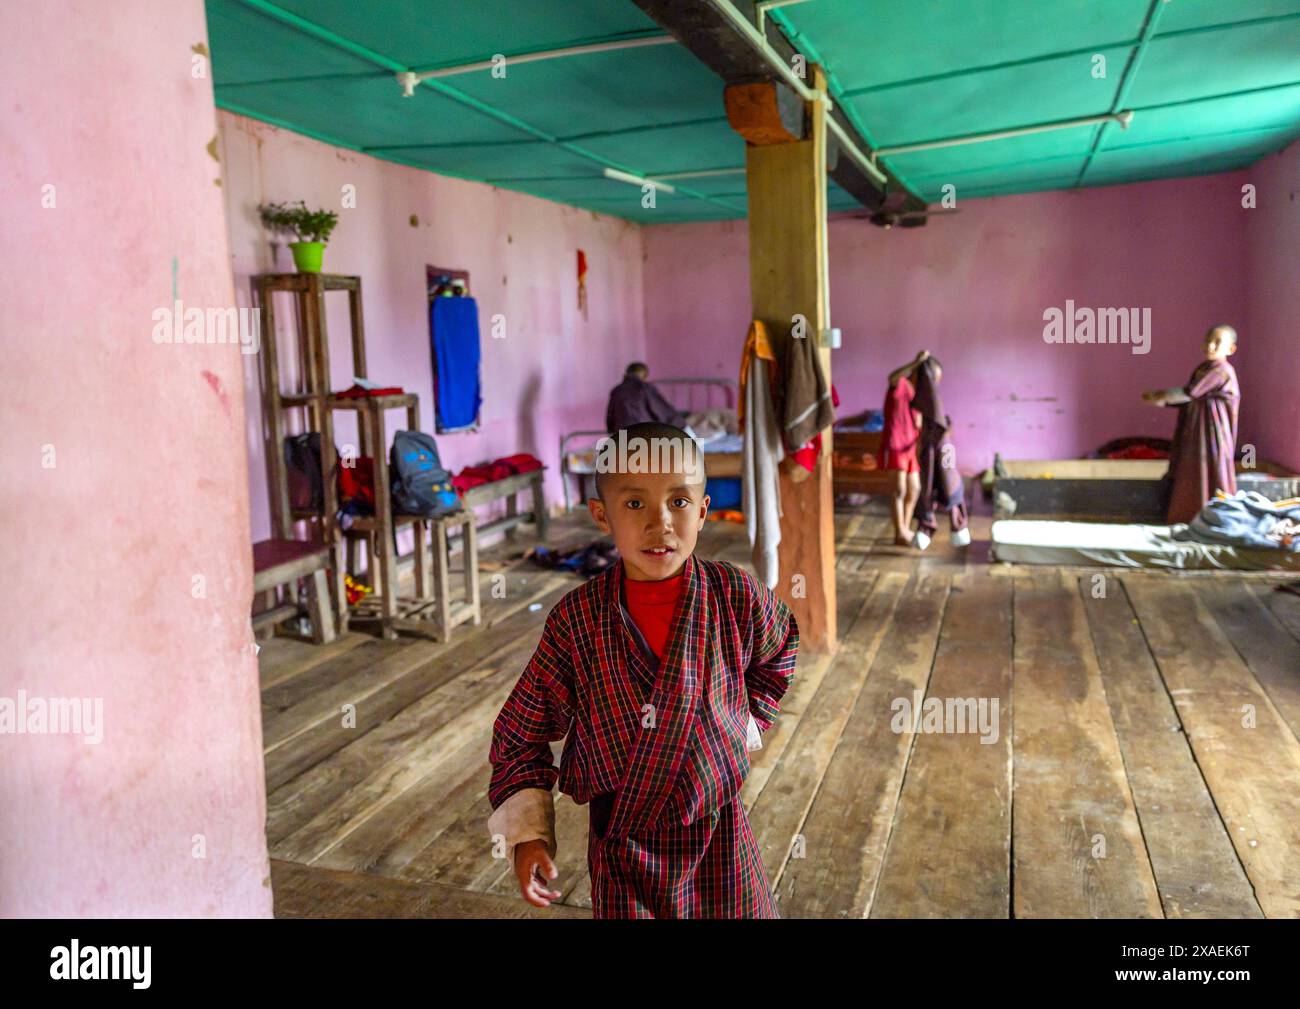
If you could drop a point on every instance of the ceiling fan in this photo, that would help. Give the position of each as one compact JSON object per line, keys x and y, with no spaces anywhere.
{"x":909,"y":219}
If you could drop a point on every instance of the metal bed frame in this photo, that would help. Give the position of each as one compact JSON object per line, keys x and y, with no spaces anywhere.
{"x":688,"y":394}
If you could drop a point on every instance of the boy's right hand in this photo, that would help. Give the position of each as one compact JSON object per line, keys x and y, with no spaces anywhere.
{"x":533,"y":867}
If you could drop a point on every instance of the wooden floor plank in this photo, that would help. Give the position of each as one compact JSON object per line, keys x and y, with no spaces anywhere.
{"x":394,"y":813}
{"x":1285,"y":606}
{"x":1245,"y":750}
{"x":834,"y":871}
{"x":282,"y":659}
{"x":1078,"y":849}
{"x":345,"y":768}
{"x":1267,"y":647}
{"x":948,"y":846}
{"x":417,"y":817}
{"x":303,"y":736}
{"x":777,"y":814}
{"x":309,"y":892}
{"x":1196,"y":869}
{"x":440,"y":724}
{"x":810,"y":671}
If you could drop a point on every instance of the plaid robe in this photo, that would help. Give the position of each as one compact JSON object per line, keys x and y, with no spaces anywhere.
{"x":668,"y":737}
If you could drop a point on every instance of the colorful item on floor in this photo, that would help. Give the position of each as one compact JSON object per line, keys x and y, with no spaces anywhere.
{"x":588,"y":560}
{"x":355,"y":590}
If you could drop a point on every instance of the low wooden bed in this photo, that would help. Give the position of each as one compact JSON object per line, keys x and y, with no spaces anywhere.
{"x":578,"y":448}
{"x":1130,"y":490}
{"x":853,"y":464}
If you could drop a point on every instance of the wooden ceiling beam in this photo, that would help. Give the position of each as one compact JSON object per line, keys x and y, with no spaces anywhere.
{"x":719,"y":44}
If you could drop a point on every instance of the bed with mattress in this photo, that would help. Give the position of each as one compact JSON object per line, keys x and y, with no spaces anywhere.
{"x":712,"y":399}
{"x":1127,"y":545}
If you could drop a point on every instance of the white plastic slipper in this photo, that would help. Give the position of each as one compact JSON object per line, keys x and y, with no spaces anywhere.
{"x":961,"y":538}
{"x":922,"y":540}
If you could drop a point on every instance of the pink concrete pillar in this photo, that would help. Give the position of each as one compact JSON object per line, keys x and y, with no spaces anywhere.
{"x":125,"y":490}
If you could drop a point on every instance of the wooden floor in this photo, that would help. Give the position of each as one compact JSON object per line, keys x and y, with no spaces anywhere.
{"x":1144,"y":760}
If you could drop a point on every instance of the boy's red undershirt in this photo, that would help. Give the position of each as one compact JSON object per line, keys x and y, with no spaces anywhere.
{"x":652,"y":606}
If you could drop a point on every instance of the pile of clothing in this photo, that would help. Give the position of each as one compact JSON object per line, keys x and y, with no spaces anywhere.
{"x":785,"y":404}
{"x":1247,"y":519}
{"x":1140,"y":447}
{"x":587,"y":560}
{"x":498,"y":469}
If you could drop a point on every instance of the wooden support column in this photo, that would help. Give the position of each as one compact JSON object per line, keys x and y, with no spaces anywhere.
{"x":788,"y":278}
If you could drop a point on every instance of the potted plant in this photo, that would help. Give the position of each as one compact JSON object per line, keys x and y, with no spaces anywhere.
{"x":312,"y":228}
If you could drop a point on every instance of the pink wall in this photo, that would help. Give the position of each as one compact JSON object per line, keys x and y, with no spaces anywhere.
{"x":972,"y":288}
{"x":1271,"y":339}
{"x":553,"y":370}
{"x":125,"y":498}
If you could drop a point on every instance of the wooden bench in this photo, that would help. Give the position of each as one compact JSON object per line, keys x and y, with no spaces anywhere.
{"x":279,"y":562}
{"x":510,"y":488}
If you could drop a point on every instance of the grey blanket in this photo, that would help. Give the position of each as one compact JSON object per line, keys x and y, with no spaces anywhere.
{"x":1247,"y":519}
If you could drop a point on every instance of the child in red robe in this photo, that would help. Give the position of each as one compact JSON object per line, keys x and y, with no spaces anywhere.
{"x":897,"y":451}
{"x":659,"y":674}
{"x":1202,"y":458}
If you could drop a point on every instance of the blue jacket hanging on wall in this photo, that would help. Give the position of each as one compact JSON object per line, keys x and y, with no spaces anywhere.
{"x":453,"y":328}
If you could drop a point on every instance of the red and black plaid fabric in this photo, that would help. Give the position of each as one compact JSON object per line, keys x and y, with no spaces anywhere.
{"x":670,"y":741}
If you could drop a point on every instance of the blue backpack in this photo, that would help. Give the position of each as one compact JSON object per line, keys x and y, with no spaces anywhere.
{"x":420,"y":485}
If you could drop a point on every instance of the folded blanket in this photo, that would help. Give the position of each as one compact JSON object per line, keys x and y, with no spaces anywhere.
{"x":1247,"y":518}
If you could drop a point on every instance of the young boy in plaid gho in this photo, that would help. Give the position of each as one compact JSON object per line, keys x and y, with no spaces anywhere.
{"x":660,"y":675}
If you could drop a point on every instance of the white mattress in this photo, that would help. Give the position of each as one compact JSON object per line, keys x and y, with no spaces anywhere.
{"x":1026,"y":541}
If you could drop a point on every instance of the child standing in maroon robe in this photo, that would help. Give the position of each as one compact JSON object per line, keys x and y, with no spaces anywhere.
{"x":660,"y":674}
{"x":941,"y":484}
{"x":897,"y":452}
{"x":1202,"y":458}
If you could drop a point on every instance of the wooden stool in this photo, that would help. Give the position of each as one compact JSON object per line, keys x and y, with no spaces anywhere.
{"x":436,"y":613}
{"x":279,"y":562}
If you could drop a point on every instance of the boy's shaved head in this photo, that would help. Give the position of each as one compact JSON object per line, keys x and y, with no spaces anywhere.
{"x":1220,"y":342}
{"x":648,"y":448}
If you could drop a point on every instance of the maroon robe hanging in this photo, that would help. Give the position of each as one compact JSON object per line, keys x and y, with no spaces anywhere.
{"x":657,"y":748}
{"x":941,"y":486}
{"x":1202,"y":458}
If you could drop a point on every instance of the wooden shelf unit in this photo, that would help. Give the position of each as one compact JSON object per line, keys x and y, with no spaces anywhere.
{"x":431,"y":610}
{"x":311,"y":351}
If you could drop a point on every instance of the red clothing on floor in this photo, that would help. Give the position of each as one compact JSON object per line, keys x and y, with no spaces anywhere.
{"x":899,"y":437}
{"x":652,"y":605}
